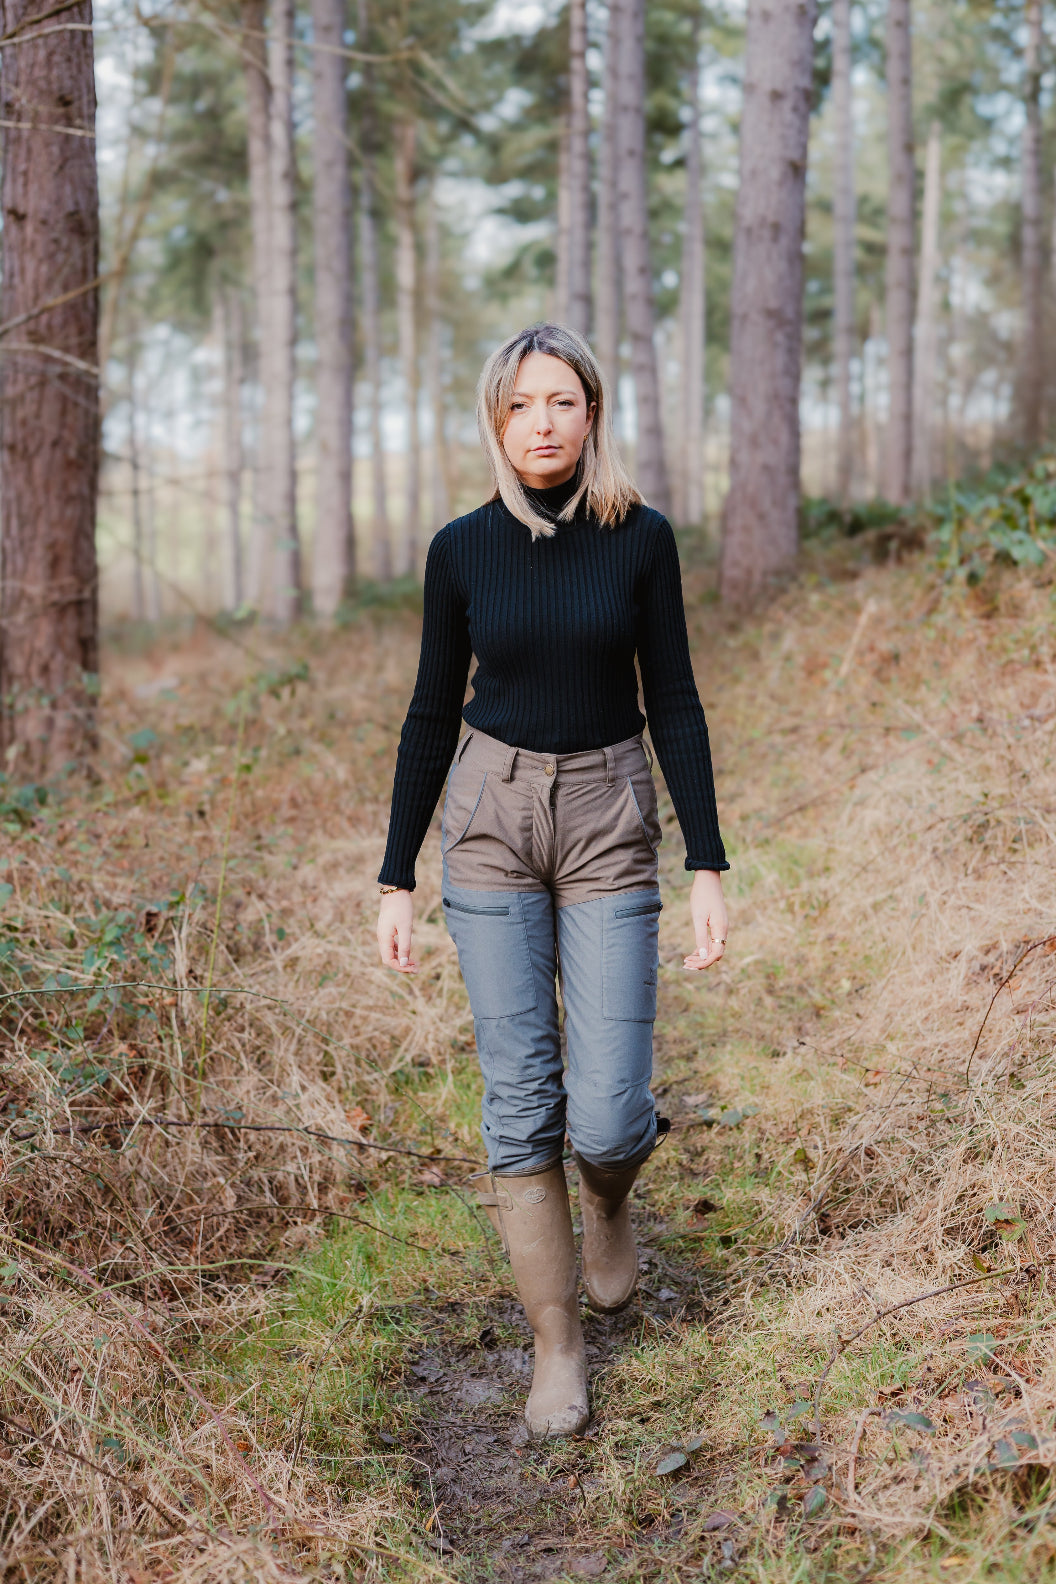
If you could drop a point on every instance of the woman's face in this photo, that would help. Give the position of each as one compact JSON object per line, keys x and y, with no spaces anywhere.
{"x":548,"y":423}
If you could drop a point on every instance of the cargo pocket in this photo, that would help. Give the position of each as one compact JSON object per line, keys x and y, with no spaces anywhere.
{"x":629,"y":959}
{"x":491,"y":937}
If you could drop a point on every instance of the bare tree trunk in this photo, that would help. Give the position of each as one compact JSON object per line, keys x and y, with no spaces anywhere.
{"x":331,"y":571}
{"x":899,"y":286}
{"x":607,"y":332}
{"x":139,"y":602}
{"x":870,"y":401}
{"x":49,"y":396}
{"x":407,"y":332}
{"x":282,"y":317}
{"x":692,"y":311}
{"x":563,"y":240}
{"x":843,"y":251}
{"x":232,"y":342}
{"x":761,"y":519}
{"x":258,"y":120}
{"x":628,"y":19}
{"x":1032,"y":362}
{"x":150,"y":516}
{"x":578,"y":171}
{"x":925,"y":339}
{"x":368,"y":236}
{"x":434,"y":364}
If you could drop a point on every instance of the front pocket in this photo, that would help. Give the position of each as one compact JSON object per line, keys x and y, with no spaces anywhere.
{"x":648,"y":817}
{"x":464,"y":907}
{"x":458,"y":812}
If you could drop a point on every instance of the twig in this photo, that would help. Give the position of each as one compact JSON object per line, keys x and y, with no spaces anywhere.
{"x":247,"y":1127}
{"x":1002,"y":986}
{"x":843,"y":1343}
{"x":868,"y":1414}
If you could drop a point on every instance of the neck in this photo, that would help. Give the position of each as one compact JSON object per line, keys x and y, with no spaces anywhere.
{"x":553,"y":498}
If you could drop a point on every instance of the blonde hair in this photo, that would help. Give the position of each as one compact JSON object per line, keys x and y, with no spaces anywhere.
{"x":604,"y":482}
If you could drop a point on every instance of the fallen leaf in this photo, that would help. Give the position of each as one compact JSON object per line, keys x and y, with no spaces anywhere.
{"x":673,"y":1461}
{"x":814,"y":1502}
{"x":591,"y":1566}
{"x":952,"y":1562}
{"x":719,"y":1520}
{"x":358,"y":1117}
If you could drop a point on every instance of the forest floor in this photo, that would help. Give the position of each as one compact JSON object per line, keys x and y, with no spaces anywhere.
{"x":251,"y":1326}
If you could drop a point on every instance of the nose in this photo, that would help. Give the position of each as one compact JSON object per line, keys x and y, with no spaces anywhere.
{"x":543,"y":420}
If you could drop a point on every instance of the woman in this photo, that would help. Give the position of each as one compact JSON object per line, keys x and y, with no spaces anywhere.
{"x":550,"y":828}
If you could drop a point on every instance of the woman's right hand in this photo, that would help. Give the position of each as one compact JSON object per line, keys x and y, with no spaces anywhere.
{"x":395,"y":920}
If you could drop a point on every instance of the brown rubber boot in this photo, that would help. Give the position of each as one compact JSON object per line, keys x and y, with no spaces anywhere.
{"x":537,"y":1223}
{"x":488,"y":1200}
{"x":610,"y":1257}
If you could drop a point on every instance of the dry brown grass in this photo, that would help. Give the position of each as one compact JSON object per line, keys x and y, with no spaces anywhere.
{"x":887,"y":754}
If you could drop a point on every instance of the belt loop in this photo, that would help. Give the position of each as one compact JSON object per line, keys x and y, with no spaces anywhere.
{"x":610,"y":767}
{"x":508,"y":762}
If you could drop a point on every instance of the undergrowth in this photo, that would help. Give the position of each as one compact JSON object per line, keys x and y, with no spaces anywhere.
{"x":251,"y":1324}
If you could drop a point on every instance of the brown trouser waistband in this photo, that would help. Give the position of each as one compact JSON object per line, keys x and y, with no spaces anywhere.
{"x":589,"y":764}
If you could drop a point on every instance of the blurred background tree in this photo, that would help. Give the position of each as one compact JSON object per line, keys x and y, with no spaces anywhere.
{"x":317,"y":218}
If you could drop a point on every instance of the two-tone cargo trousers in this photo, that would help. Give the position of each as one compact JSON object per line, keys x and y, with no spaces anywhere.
{"x":550,"y":873}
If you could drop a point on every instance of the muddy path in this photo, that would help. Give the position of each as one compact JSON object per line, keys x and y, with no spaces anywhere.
{"x":503,"y":1506}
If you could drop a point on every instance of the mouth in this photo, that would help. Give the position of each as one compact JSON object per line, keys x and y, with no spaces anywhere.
{"x":547,"y":450}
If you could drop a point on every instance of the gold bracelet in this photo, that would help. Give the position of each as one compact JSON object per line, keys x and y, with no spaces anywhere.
{"x":387,"y":890}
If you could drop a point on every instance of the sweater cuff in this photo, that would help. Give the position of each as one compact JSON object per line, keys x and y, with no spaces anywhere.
{"x":392,"y":877}
{"x":707,"y":863}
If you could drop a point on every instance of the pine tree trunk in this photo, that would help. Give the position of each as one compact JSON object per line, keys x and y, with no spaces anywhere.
{"x":283,"y":316}
{"x":49,"y":397}
{"x":925,"y":337}
{"x":628,"y":19}
{"x":331,"y":572}
{"x":434,"y":365}
{"x":381,"y":536}
{"x":1032,"y":362}
{"x":578,"y":315}
{"x":761,"y":518}
{"x":607,"y":299}
{"x":563,"y":237}
{"x":843,"y":249}
{"x":692,"y":313}
{"x":139,"y":599}
{"x":407,"y":333}
{"x":233,"y":341}
{"x":899,"y":285}
{"x":258,"y":120}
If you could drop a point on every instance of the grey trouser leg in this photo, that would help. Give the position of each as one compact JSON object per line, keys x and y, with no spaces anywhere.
{"x":507,"y":954}
{"x":609,"y":956}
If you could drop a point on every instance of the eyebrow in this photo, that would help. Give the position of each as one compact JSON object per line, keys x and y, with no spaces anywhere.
{"x":563,"y":392}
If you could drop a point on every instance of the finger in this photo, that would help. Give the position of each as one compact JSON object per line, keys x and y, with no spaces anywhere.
{"x":403,"y":949}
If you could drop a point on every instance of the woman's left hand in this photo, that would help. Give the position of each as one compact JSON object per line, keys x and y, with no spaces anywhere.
{"x":710,"y":923}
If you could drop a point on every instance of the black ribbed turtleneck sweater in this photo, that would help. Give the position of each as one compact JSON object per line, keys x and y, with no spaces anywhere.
{"x":555,"y":625}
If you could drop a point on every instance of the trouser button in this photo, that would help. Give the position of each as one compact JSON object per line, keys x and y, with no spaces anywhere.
{"x":550,"y":769}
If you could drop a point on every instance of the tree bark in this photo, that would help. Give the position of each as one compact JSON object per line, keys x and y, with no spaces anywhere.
{"x":434,"y":365}
{"x":692,"y":308}
{"x":627,"y":17}
{"x":381,"y":537}
{"x":843,"y":251}
{"x":232,"y":344}
{"x":1032,"y":363}
{"x":578,"y":171}
{"x":925,"y":338}
{"x":899,"y":283}
{"x":607,"y":330}
{"x":282,"y":318}
{"x":407,"y":333}
{"x":563,"y":217}
{"x":761,"y":520}
{"x":258,"y":119}
{"x":331,"y":569}
{"x":49,"y":397}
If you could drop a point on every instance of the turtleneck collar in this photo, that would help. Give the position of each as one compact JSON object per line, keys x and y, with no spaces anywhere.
{"x":552,"y":501}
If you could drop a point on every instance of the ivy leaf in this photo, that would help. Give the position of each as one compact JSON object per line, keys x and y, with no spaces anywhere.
{"x":981,"y":1345}
{"x":912,"y":1421}
{"x":1006,"y":1220}
{"x":814,"y":1502}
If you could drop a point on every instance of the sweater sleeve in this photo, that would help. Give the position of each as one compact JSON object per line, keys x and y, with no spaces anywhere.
{"x":672,"y":704}
{"x":430,"y":731}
